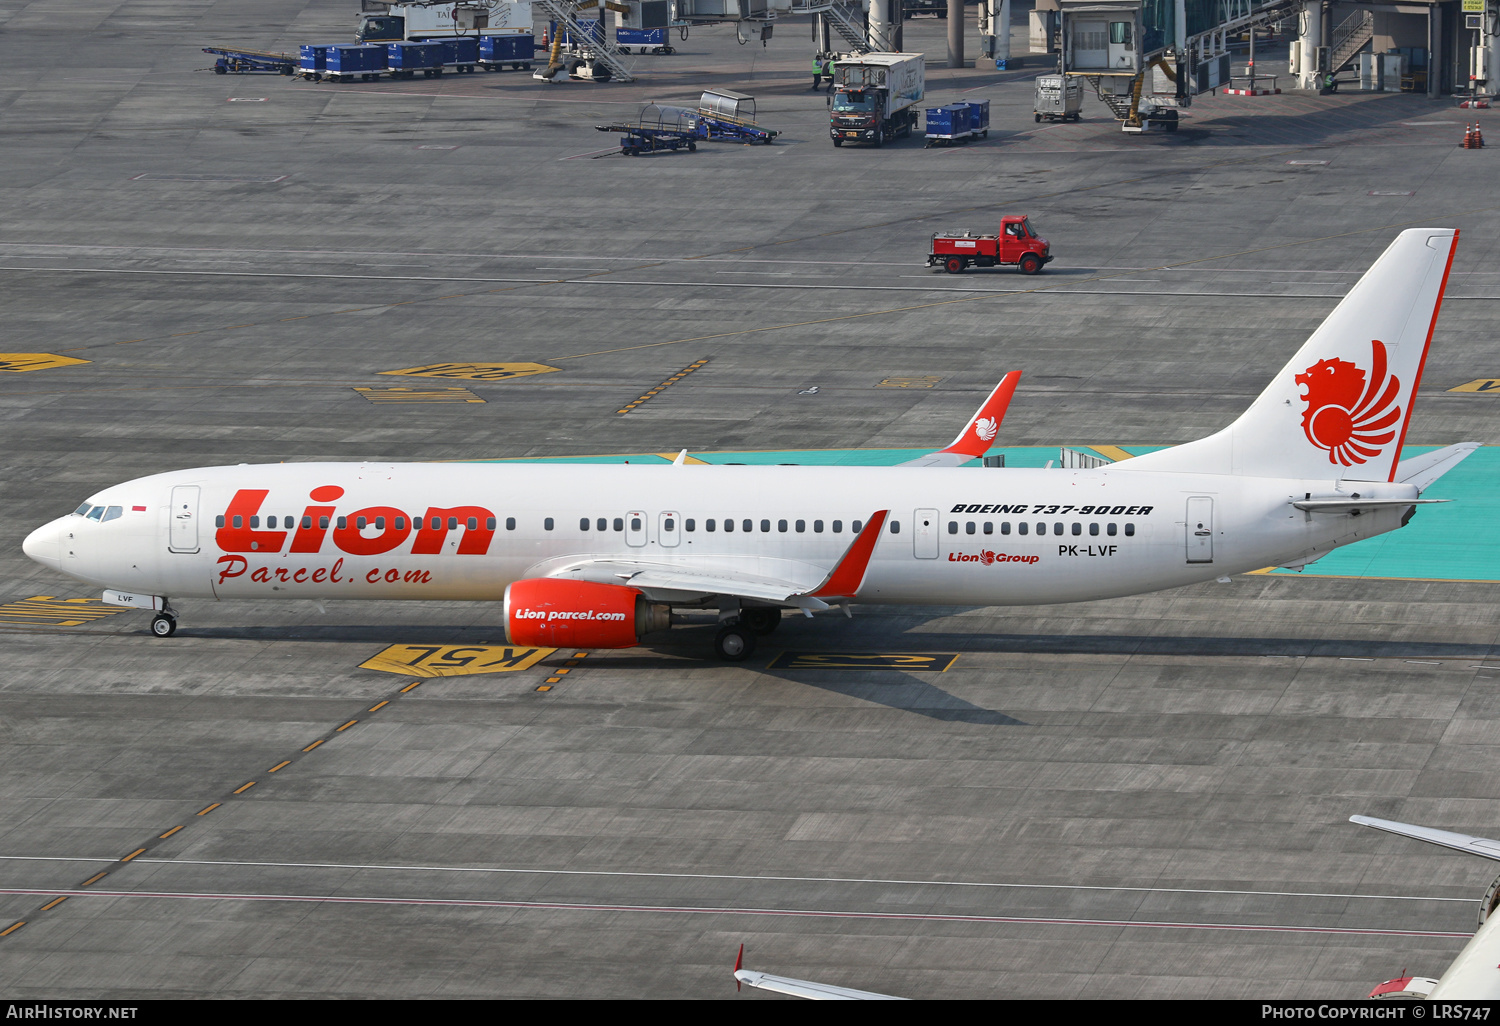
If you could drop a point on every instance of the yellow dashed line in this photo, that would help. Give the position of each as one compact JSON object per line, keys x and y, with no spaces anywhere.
{"x":211,"y":808}
{"x":12,"y":928}
{"x":94,"y":879}
{"x":133,"y":854}
{"x":279,"y":765}
{"x":545,"y":687}
{"x":53,"y":903}
{"x":377,"y":708}
{"x":169,"y":833}
{"x":313,"y":745}
{"x":413,"y":684}
{"x":244,"y":787}
{"x":346,"y":726}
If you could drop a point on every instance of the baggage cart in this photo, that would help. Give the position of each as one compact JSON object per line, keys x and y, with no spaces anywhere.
{"x":358,"y":61}
{"x":657,"y":128}
{"x":312,"y":60}
{"x":461,"y":53}
{"x":509,"y":51}
{"x":948,"y":124}
{"x":238,"y":61}
{"x":1058,"y":98}
{"x":979,"y":118}
{"x":645,"y":40}
{"x":405,"y":59}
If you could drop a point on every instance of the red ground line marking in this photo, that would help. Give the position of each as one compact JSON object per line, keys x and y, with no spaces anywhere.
{"x":787,"y":912}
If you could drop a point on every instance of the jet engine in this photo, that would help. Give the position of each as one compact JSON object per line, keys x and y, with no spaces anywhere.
{"x":549,"y":612}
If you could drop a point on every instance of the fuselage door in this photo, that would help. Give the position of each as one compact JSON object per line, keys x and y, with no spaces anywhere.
{"x":1200,"y":529}
{"x":635,"y":528}
{"x":668,"y":529}
{"x":924,"y":533}
{"x":183,"y":534}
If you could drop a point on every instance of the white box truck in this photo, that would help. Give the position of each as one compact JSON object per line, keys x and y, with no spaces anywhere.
{"x":397,"y":21}
{"x":875,"y":97}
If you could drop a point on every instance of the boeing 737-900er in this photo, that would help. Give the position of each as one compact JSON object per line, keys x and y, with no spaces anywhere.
{"x":598,"y":557}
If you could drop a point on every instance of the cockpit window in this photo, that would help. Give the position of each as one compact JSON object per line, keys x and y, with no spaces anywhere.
{"x":82,"y":510}
{"x":96,"y":513}
{"x":113,"y":512}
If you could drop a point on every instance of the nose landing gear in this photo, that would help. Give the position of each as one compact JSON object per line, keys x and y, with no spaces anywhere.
{"x":163,"y":625}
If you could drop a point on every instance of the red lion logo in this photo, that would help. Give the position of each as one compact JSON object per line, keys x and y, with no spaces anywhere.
{"x":1349,"y":417}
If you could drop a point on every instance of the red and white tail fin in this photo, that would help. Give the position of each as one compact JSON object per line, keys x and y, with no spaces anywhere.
{"x":978,"y":434}
{"x":1341,"y":407}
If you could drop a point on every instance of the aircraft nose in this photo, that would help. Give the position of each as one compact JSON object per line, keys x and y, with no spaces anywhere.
{"x":45,"y":544}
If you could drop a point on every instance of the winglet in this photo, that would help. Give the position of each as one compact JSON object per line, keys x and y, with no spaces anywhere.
{"x":739,"y":961}
{"x":978,"y":434}
{"x":844,"y":579}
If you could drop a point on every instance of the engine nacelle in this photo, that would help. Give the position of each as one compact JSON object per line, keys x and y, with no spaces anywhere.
{"x":550,"y":612}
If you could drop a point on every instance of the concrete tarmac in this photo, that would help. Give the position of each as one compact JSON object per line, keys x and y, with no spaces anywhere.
{"x":1143,"y":797}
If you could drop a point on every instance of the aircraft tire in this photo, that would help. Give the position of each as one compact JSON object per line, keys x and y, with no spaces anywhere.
{"x":163,"y":626}
{"x":734,"y":643}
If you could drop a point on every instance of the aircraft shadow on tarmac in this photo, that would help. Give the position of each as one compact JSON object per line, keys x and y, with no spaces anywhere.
{"x":897,"y":690}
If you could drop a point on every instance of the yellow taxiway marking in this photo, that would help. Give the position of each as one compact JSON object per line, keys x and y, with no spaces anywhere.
{"x":932,"y":661}
{"x":244,"y":787}
{"x":280,"y":765}
{"x":476,"y":371}
{"x":205,"y":812}
{"x":133,"y":854}
{"x":1113,"y":452}
{"x":1491,"y":385}
{"x":346,"y":726}
{"x":413,"y":684}
{"x":20,"y":363}
{"x":922,"y":382}
{"x":12,"y":928}
{"x":454,"y":660}
{"x":695,"y":365}
{"x":169,"y":833}
{"x":380,"y":705}
{"x":53,"y":904}
{"x":671,"y":456}
{"x":386,"y":396}
{"x":56,"y":612}
{"x":545,"y":687}
{"x":94,"y":879}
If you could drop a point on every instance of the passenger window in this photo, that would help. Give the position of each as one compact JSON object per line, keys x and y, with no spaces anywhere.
{"x":380,"y":523}
{"x":781,"y":526}
{"x":635,"y":523}
{"x":969,"y":527}
{"x":472,"y":523}
{"x":1021,"y":527}
{"x":510,"y":523}
{"x":322,"y":522}
{"x":113,"y":512}
{"x":1129,"y":530}
{"x":583,"y":523}
{"x":400,"y":523}
{"x":747,"y":526}
{"x":306,"y":523}
{"x":254,"y":521}
{"x":801,"y":526}
{"x":765,"y":526}
{"x":218,"y":521}
{"x":708,"y":525}
{"x":619,"y":524}
{"x":1005,"y":527}
{"x":238,"y":521}
{"x":1077,"y":528}
{"x":838,"y":527}
{"x":952,"y":526}
{"x":1110,"y":530}
{"x":728,"y":525}
{"x":669,"y":524}
{"x":690,"y":525}
{"x":1057,"y":528}
{"x":817,"y":527}
{"x":547,"y":524}
{"x":859,"y":525}
{"x":343,"y":522}
{"x":359,"y":523}
{"x":452,"y":523}
{"x":989,"y":528}
{"x":1093,"y":529}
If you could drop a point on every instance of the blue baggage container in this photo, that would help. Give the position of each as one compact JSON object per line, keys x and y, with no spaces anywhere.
{"x":507,"y":49}
{"x":356,"y":59}
{"x":979,"y":116}
{"x":948,"y":123}
{"x":313,"y":56}
{"x":414,"y":56}
{"x":641,"y":37}
{"x":459,"y":50}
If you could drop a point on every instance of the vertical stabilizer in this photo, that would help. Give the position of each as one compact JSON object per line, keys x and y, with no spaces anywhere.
{"x":1341,"y":407}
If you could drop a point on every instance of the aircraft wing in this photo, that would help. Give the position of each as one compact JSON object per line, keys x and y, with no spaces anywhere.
{"x":975,"y":439}
{"x":809,"y":989}
{"x":1481,"y":846}
{"x":1424,"y":469}
{"x":804,"y":585}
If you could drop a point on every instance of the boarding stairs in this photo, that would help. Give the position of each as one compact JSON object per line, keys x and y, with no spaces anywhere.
{"x":604,"y":50}
{"x":1349,"y":38}
{"x":846,"y":17}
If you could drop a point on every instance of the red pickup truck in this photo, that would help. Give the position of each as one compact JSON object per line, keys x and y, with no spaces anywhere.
{"x":1017,"y":243}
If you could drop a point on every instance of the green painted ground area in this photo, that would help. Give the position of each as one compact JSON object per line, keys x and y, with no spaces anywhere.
{"x":1457,"y":541}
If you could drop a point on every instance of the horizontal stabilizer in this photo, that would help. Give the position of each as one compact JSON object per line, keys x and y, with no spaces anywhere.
{"x":1355,"y":505}
{"x":809,"y":989}
{"x":1481,"y":846}
{"x":1424,"y":469}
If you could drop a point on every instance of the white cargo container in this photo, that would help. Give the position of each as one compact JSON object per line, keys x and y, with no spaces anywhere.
{"x":875,"y":96}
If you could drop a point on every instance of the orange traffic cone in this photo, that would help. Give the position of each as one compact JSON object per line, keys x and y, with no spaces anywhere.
{"x":1468,"y":136}
{"x":1478,"y":137}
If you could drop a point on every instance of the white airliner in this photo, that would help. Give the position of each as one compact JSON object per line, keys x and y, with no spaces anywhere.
{"x":595,"y":557}
{"x":1475,"y":974}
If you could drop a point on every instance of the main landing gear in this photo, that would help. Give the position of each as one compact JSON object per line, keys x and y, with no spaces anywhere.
{"x":736,"y":639}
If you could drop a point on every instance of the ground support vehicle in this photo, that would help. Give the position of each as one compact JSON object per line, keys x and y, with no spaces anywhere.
{"x":347,"y":63}
{"x":460,"y":54}
{"x":644,"y":40}
{"x":657,"y":128}
{"x":406,"y":59}
{"x":1058,"y":98}
{"x":238,"y":61}
{"x":499,"y":52}
{"x":725,"y":116}
{"x":948,"y":124}
{"x":979,"y":117}
{"x":1016,"y":243}
{"x":875,"y":97}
